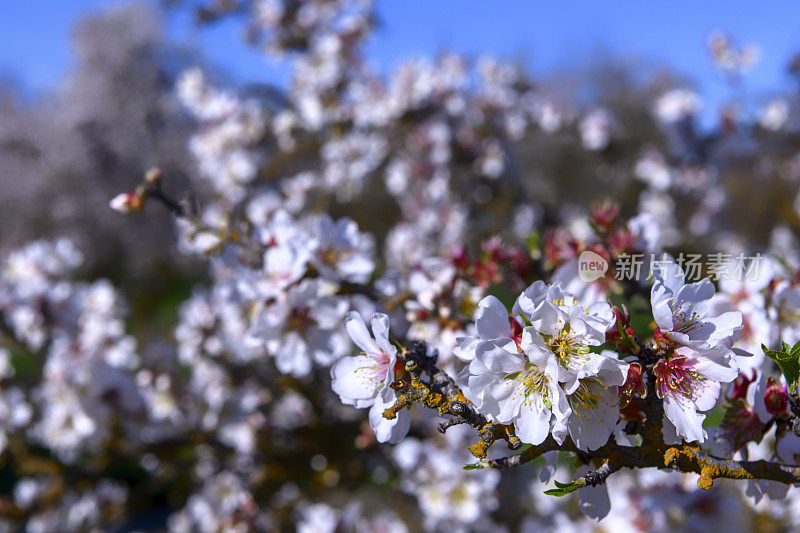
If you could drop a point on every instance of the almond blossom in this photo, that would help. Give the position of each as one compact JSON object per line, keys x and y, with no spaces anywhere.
{"x":689,"y":378}
{"x":518,"y":385}
{"x":685,"y":313}
{"x":363,"y":380}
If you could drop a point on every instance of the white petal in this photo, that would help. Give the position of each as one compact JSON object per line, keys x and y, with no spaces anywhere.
{"x":357,"y":330}
{"x":498,"y":360}
{"x":380,"y":329}
{"x":293,"y":357}
{"x":688,"y":422}
{"x":706,"y":394}
{"x":533,"y":424}
{"x":716,"y":364}
{"x":391,"y":431}
{"x":491,"y":320}
{"x":354,"y":379}
{"x":532,"y":296}
{"x":594,"y":501}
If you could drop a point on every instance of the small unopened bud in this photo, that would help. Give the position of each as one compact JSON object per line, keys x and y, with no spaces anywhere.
{"x":153,"y":176}
{"x":126,"y":202}
{"x":633,"y":386}
{"x":662,"y":341}
{"x":776,"y":398}
{"x":604,"y":215}
{"x":738,"y":389}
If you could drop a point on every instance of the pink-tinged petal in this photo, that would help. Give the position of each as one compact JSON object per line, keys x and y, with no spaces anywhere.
{"x":688,"y":422}
{"x":491,"y":320}
{"x":380,"y":329}
{"x":533,"y":424}
{"x":357,"y":330}
{"x":354,"y":378}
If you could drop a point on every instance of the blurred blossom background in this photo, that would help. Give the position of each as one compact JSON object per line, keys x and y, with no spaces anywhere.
{"x":129,"y":400}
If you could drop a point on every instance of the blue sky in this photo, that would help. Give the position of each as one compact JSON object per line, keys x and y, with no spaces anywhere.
{"x":35,"y":51}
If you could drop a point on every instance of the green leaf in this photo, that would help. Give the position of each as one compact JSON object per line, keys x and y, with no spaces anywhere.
{"x":795,"y":351}
{"x":477,"y":466}
{"x":562,"y":489}
{"x":787,"y":360}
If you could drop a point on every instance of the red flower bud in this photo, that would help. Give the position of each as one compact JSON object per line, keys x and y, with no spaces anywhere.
{"x":604,"y":215}
{"x":738,"y":389}
{"x":633,"y":386}
{"x":662,"y":340}
{"x":776,"y":398}
{"x":559,"y":246}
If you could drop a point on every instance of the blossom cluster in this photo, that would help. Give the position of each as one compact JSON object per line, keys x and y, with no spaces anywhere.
{"x":385,"y":299}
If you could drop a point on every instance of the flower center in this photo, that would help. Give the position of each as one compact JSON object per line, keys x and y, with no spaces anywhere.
{"x":568,"y":348}
{"x":683,"y":321}
{"x":674,"y":378}
{"x":588,"y":394}
{"x":532,"y":384}
{"x":376,"y":371}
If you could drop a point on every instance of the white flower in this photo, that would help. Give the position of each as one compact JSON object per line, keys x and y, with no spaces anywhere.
{"x":125,"y":203}
{"x":519,"y":386}
{"x":676,"y":105}
{"x":300,"y":327}
{"x":318,"y":518}
{"x":341,"y":251}
{"x":566,"y":328}
{"x":689,"y":383}
{"x":774,"y":115}
{"x":686,"y":313}
{"x":594,"y":402}
{"x":363,"y":380}
{"x":492,"y":322}
{"x":595,"y":129}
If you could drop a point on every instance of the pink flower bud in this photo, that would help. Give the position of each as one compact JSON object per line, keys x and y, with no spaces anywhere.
{"x":126,"y":202}
{"x":776,"y":399}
